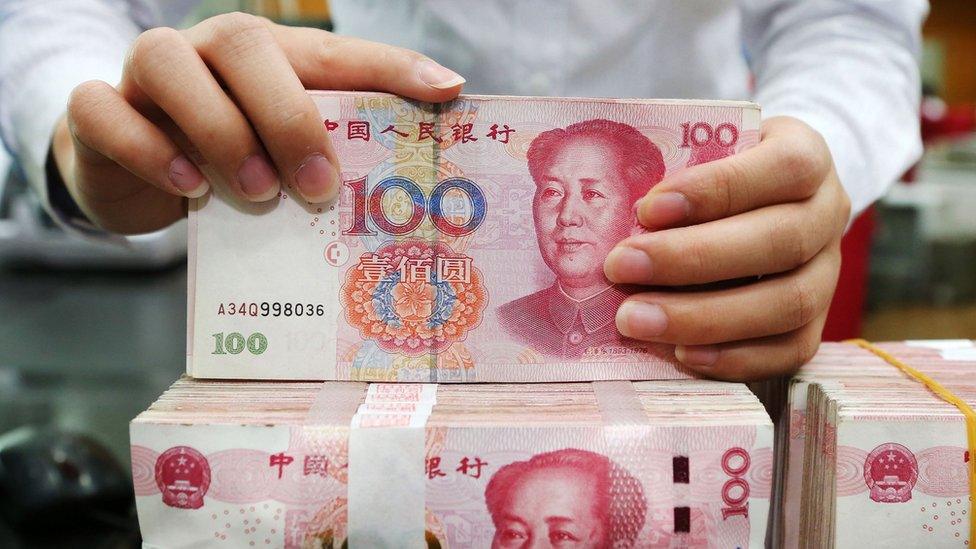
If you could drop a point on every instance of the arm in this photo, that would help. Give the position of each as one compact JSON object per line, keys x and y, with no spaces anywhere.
{"x":849,"y":69}
{"x":46,"y":49}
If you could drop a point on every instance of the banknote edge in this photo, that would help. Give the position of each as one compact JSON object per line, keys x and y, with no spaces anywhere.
{"x":733,"y":103}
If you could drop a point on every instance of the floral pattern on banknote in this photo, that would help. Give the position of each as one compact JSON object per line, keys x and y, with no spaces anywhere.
{"x":426,"y":303}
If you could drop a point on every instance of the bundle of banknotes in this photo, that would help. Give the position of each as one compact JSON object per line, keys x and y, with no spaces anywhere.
{"x":868,"y":456}
{"x":467,"y":243}
{"x":606,"y":464}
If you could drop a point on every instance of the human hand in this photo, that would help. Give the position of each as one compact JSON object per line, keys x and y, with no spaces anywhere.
{"x":774,"y":214}
{"x":221,"y":103}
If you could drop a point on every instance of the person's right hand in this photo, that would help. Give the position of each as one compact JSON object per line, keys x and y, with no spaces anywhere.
{"x":221,"y":103}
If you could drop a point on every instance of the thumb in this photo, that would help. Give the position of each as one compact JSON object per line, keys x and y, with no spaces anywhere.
{"x":325,"y":61}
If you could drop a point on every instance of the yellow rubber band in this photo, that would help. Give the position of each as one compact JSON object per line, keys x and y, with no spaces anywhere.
{"x":946,"y":395}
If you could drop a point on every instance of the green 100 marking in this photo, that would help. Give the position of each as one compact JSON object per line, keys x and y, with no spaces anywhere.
{"x":235,"y":343}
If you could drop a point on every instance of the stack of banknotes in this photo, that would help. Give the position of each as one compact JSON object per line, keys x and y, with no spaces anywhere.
{"x":331,"y":348}
{"x":606,"y":464}
{"x":467,"y":243}
{"x":867,"y":456}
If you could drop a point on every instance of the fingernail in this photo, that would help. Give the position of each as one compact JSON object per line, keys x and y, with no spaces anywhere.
{"x":257,"y":178}
{"x":185,"y":176}
{"x":641,"y":320}
{"x":663,"y":210}
{"x":626,"y":264}
{"x":438,"y":77}
{"x":696,"y":355}
{"x":317,"y":179}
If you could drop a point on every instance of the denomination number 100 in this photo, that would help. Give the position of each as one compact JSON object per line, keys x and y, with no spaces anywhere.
{"x":700,"y":134}
{"x":234,"y":343}
{"x":372,"y":206}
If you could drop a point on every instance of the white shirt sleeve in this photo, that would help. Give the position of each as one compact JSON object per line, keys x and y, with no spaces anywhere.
{"x":849,"y":69}
{"x":47,"y":47}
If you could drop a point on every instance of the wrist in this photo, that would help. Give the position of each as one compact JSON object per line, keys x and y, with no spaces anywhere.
{"x":58,"y":169}
{"x":60,"y":156}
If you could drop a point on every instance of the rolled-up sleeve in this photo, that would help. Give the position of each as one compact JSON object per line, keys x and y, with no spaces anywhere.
{"x":849,"y":69}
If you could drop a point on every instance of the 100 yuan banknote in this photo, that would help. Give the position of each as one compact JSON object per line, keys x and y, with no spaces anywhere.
{"x":467,"y":243}
{"x":275,"y":486}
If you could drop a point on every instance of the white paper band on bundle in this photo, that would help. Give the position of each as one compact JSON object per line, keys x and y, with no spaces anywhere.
{"x":959,"y":355}
{"x":628,"y":434}
{"x":334,"y":402}
{"x":401,"y":392}
{"x":387,"y":448}
{"x":618,"y":403}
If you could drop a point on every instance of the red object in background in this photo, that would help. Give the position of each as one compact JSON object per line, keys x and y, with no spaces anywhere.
{"x":847,"y":307}
{"x":946,"y":121}
{"x":938,"y":121}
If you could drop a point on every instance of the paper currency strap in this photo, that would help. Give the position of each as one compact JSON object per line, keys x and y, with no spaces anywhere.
{"x":948,"y":396}
{"x":387,"y":444}
{"x":621,"y":410}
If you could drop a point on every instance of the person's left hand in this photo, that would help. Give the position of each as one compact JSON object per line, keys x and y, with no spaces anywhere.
{"x":774,"y":213}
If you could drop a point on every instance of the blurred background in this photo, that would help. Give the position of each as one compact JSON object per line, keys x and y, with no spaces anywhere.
{"x":90,"y":333}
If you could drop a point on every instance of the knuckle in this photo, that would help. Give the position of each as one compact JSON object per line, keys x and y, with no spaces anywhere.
{"x":844,"y":209}
{"x":798,"y":160}
{"x":789,"y":241}
{"x":219,"y":131}
{"x":330,"y":49}
{"x":152,"y":45}
{"x":700,"y":325}
{"x":84,"y":97}
{"x":720,"y":190}
{"x":804,"y":348}
{"x":237,"y":21}
{"x":732,"y":367}
{"x":806,"y":160}
{"x":238,"y":31}
{"x":294,"y":121}
{"x":335,"y":52}
{"x":85,"y":103}
{"x":698,"y":255}
{"x":802,"y":303}
{"x":403,"y":56}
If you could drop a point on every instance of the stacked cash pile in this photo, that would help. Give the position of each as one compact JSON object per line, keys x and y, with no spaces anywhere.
{"x":608,"y":464}
{"x":444,"y":260}
{"x":868,"y":456}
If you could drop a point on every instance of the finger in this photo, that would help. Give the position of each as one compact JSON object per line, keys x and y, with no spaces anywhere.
{"x":787,"y":165}
{"x":164,"y":67}
{"x":773,"y":305}
{"x":739,"y":361}
{"x":769,"y":240}
{"x":242,"y":50}
{"x":107,"y":127}
{"x":325,"y":61}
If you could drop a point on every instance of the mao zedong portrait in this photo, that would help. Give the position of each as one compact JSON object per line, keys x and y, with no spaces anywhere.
{"x":565,"y":499}
{"x":587,"y":177}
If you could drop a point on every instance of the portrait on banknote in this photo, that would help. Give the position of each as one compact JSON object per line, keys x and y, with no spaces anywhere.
{"x":587,"y":177}
{"x":570,"y":497}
